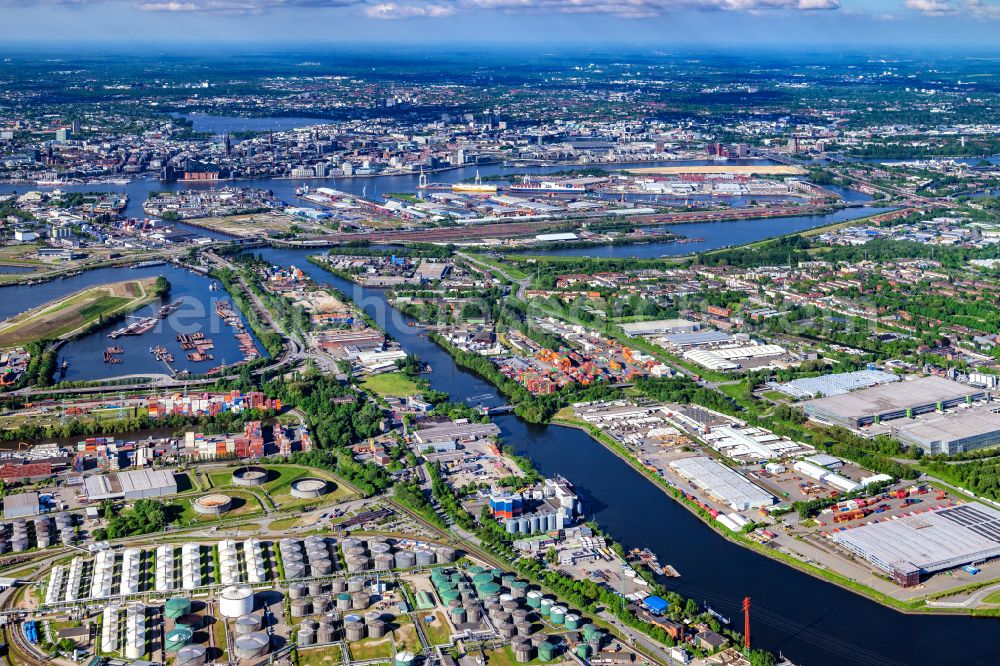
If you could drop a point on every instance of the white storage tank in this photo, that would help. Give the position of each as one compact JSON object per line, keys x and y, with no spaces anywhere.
{"x":236,"y":600}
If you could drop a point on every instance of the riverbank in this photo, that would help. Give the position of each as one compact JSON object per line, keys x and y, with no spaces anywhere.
{"x":912,"y":607}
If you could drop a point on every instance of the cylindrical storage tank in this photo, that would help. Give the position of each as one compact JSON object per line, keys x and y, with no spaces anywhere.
{"x":371,"y":616}
{"x":546,"y":607}
{"x":308,"y":488}
{"x":583,"y":651}
{"x":507,"y":630}
{"x":355,"y":551}
{"x":445,"y":554}
{"x":356,"y":584}
{"x":305,"y":636}
{"x":300,"y":607}
{"x":376,"y":629}
{"x":236,"y":600}
{"x":383,"y":562}
{"x":321,"y":604}
{"x":536,"y":523}
{"x":354,"y":630}
{"x":176,"y":606}
{"x":458,"y":615}
{"x":523,"y":628}
{"x":297,"y":591}
{"x":475,"y":569}
{"x":191,"y":655}
{"x":489,"y":589}
{"x":509,"y":605}
{"x":405,"y":559}
{"x":350,"y":542}
{"x":212,"y":505}
{"x":251,"y":645}
{"x":405,"y":659}
{"x":426,"y":558}
{"x":572,"y":621}
{"x":359,"y":600}
{"x":249,"y":476}
{"x":322,"y":566}
{"x":520,"y":615}
{"x":474,"y":613}
{"x":519,"y":588}
{"x":379,"y":547}
{"x":343,"y":601}
{"x":550,"y":522}
{"x":481,"y":579}
{"x":524,"y":651}
{"x":355,"y":564}
{"x":327,"y":632}
{"x":546,"y":651}
{"x":534,"y":599}
{"x":247,"y":624}
{"x":177,"y":639}
{"x":316,"y":588}
{"x":338,"y":585}
{"x":590,"y":632}
{"x":448,"y":595}
{"x":511,"y":526}
{"x":557,"y":615}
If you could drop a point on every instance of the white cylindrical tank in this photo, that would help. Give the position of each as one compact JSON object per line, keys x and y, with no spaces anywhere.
{"x":236,"y":600}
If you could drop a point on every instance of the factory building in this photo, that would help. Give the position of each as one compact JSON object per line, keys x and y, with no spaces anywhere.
{"x":836,"y":384}
{"x":891,"y":401}
{"x":823,"y":475}
{"x":659,"y":327}
{"x":722,"y":483}
{"x":131,"y":485}
{"x":21,"y":505}
{"x":911,"y":547}
{"x":505,"y":505}
{"x":951,"y":433}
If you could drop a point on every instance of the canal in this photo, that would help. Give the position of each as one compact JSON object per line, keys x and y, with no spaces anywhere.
{"x":812,"y":622}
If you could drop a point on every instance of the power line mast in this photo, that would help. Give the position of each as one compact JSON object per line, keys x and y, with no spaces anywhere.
{"x":746,"y":623}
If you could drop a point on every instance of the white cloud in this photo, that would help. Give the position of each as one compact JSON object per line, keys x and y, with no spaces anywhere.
{"x":391,"y":10}
{"x":932,"y":7}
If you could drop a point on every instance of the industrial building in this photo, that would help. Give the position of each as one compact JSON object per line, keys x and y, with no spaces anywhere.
{"x":920,"y":544}
{"x":891,"y":401}
{"x":953,"y":432}
{"x":729,"y":358}
{"x":455,"y":432}
{"x":659,"y":327}
{"x":131,"y":485}
{"x":752,"y":444}
{"x":21,"y":505}
{"x":722,"y":483}
{"x":836,"y":384}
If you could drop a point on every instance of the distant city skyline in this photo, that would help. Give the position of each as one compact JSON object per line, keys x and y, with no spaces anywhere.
{"x":868,"y":23}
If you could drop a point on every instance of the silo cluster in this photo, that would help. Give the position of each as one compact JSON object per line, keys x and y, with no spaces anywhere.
{"x":110,"y":628}
{"x":192,"y":575}
{"x":165,"y":574}
{"x":43,"y":531}
{"x":135,"y":631}
{"x":19,"y":536}
{"x":229,"y":563}
{"x":64,"y":527}
{"x":253,"y":557}
{"x":130,"y":572}
{"x":104,"y":570}
{"x":53,"y":592}
{"x":318,"y":556}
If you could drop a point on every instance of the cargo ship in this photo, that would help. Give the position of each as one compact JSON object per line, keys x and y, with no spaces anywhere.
{"x":477,"y":187}
{"x":146,"y":324}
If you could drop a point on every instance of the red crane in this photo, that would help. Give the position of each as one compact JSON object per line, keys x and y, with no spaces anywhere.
{"x":746,"y":623}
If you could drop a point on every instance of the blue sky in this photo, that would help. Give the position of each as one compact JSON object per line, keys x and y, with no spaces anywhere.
{"x":868,"y":23}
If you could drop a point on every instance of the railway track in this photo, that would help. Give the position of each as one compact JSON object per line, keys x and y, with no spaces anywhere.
{"x":25,"y":652}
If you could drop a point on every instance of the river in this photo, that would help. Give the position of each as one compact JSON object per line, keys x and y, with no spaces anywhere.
{"x":812,"y":622}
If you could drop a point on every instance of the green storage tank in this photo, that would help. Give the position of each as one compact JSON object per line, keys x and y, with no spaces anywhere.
{"x":481,"y":579}
{"x":572,"y":622}
{"x":449,"y":595}
{"x":534,"y":599}
{"x":496,"y":573}
{"x":177,"y":606}
{"x":177,"y":639}
{"x":546,"y":651}
{"x":583,"y":651}
{"x":519,"y":586}
{"x":474,"y":570}
{"x":546,"y":607}
{"x":589,"y":632}
{"x":489,"y":589}
{"x":557,"y":615}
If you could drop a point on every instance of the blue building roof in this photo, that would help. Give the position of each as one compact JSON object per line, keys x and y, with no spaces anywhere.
{"x":656,"y":604}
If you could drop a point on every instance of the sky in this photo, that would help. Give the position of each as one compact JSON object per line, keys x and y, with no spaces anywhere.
{"x":973,"y":24}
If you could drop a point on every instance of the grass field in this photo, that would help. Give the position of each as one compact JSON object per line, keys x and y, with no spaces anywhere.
{"x":64,"y":317}
{"x":372,"y":648}
{"x":278,"y":488}
{"x":992,"y":598}
{"x":323,"y":656}
{"x":439,"y":631}
{"x":392,"y":384}
{"x":244,"y":504}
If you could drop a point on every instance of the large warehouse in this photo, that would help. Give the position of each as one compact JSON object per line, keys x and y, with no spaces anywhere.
{"x":924,"y":543}
{"x":954,"y":432}
{"x":722,"y":483}
{"x":836,"y":384}
{"x":131,"y":485}
{"x":891,"y":401}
